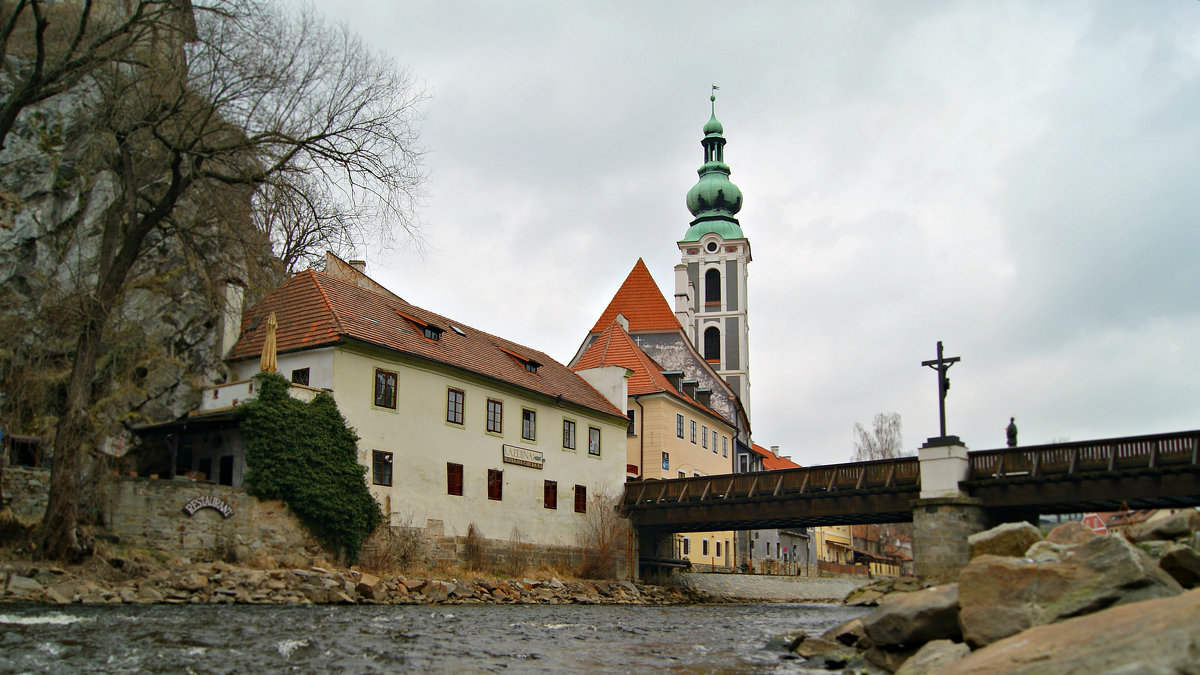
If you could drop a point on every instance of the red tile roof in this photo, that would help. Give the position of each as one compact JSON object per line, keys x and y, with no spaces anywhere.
{"x":614,"y":347}
{"x":642,"y":303}
{"x":771,"y":462}
{"x":315,"y":309}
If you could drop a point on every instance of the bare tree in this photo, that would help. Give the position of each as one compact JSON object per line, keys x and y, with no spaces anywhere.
{"x":193,"y":126}
{"x":603,"y":535}
{"x":884,"y":441}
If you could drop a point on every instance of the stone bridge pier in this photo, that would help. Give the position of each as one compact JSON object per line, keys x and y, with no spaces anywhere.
{"x":944,"y":516}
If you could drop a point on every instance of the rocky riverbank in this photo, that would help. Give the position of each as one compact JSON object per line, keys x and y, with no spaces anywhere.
{"x":1072,"y":602}
{"x":205,"y":583}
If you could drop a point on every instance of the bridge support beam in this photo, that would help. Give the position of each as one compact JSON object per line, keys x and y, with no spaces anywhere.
{"x":944,"y":515}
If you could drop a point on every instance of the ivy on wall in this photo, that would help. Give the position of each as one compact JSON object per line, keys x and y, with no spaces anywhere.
{"x":306,"y":455}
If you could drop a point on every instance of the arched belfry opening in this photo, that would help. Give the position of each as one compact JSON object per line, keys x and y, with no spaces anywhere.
{"x":712,"y":344}
{"x":712,"y":287}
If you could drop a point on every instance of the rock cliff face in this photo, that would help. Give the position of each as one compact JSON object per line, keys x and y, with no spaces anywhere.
{"x":59,"y":186}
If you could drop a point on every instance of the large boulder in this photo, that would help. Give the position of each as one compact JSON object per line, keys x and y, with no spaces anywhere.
{"x":912,"y":619}
{"x":1182,"y":563}
{"x":933,"y":657}
{"x":1175,"y":526}
{"x":1154,"y":636}
{"x":1001,"y":596}
{"x":1011,"y":539}
{"x":1071,"y":533}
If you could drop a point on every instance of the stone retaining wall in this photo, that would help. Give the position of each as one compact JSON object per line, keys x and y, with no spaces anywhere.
{"x":150,"y":513}
{"x":28,"y":491}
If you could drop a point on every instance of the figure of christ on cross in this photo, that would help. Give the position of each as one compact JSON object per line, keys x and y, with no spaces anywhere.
{"x":941,"y":365}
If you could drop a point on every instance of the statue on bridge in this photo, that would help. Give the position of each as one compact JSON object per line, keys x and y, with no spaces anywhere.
{"x":1011,"y":430}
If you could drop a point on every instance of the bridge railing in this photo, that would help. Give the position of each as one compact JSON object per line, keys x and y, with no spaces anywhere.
{"x":1113,"y":454}
{"x":886,"y":473}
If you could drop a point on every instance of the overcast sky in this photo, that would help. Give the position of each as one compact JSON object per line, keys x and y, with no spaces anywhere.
{"x":1020,"y":180}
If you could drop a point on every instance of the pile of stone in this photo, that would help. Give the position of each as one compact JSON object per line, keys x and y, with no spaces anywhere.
{"x":1074,"y":602}
{"x":223,"y":583}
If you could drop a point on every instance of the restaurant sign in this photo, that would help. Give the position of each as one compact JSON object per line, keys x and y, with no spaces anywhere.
{"x":523,"y":456}
{"x":208,"y":502}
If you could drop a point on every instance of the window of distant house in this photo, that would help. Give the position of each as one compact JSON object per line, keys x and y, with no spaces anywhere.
{"x":550,"y":494}
{"x":385,"y":389}
{"x":704,"y":436}
{"x":580,"y":499}
{"x":568,"y":434}
{"x":666,"y":461}
{"x":300,"y":376}
{"x":495,"y":416}
{"x":679,"y":425}
{"x":693,"y":431}
{"x":712,"y":287}
{"x":454,"y":406}
{"x":712,"y":344}
{"x":454,"y":479}
{"x":528,"y":424}
{"x":629,"y":431}
{"x":432,"y":333}
{"x":495,"y":484}
{"x":381,"y":467}
{"x":593,"y":441}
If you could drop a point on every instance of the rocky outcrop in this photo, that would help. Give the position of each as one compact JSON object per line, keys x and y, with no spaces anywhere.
{"x":222,"y":583}
{"x":1011,"y":539}
{"x":1001,"y":596}
{"x":1071,"y":603}
{"x":1175,"y":526}
{"x":911,"y":619}
{"x":1154,"y":636}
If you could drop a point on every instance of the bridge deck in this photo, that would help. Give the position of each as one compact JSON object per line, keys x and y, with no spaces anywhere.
{"x":1154,"y":471}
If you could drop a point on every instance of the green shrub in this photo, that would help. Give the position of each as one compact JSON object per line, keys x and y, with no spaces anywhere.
{"x":306,"y":455}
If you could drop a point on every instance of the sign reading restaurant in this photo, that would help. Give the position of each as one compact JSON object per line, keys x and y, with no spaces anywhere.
{"x":523,"y":456}
{"x":208,"y":502}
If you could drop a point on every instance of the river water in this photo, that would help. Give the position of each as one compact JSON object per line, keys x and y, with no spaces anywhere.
{"x":410,"y":638}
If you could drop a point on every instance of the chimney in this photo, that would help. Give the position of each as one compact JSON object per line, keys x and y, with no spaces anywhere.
{"x":623,"y":322}
{"x":360,"y":265}
{"x":231,"y":316}
{"x":704,"y":397}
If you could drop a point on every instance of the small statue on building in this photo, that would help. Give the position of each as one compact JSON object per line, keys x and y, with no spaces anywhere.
{"x":1011,"y":430}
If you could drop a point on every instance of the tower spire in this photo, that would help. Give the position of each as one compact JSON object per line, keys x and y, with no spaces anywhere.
{"x":714,"y":200}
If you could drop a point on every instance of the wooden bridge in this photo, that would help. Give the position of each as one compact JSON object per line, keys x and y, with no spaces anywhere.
{"x":1137,"y":472}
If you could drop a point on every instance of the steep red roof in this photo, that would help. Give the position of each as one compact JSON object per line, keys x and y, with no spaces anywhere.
{"x":614,"y":347}
{"x":315,"y":309}
{"x":771,"y":462}
{"x":642,"y":303}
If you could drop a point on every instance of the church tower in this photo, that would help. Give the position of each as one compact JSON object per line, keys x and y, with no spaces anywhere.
{"x":710,"y":282}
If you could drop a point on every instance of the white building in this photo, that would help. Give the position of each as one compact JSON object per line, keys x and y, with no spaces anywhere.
{"x":457,"y":427}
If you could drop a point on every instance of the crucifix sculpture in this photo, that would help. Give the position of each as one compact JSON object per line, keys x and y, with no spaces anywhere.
{"x":941,"y":365}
